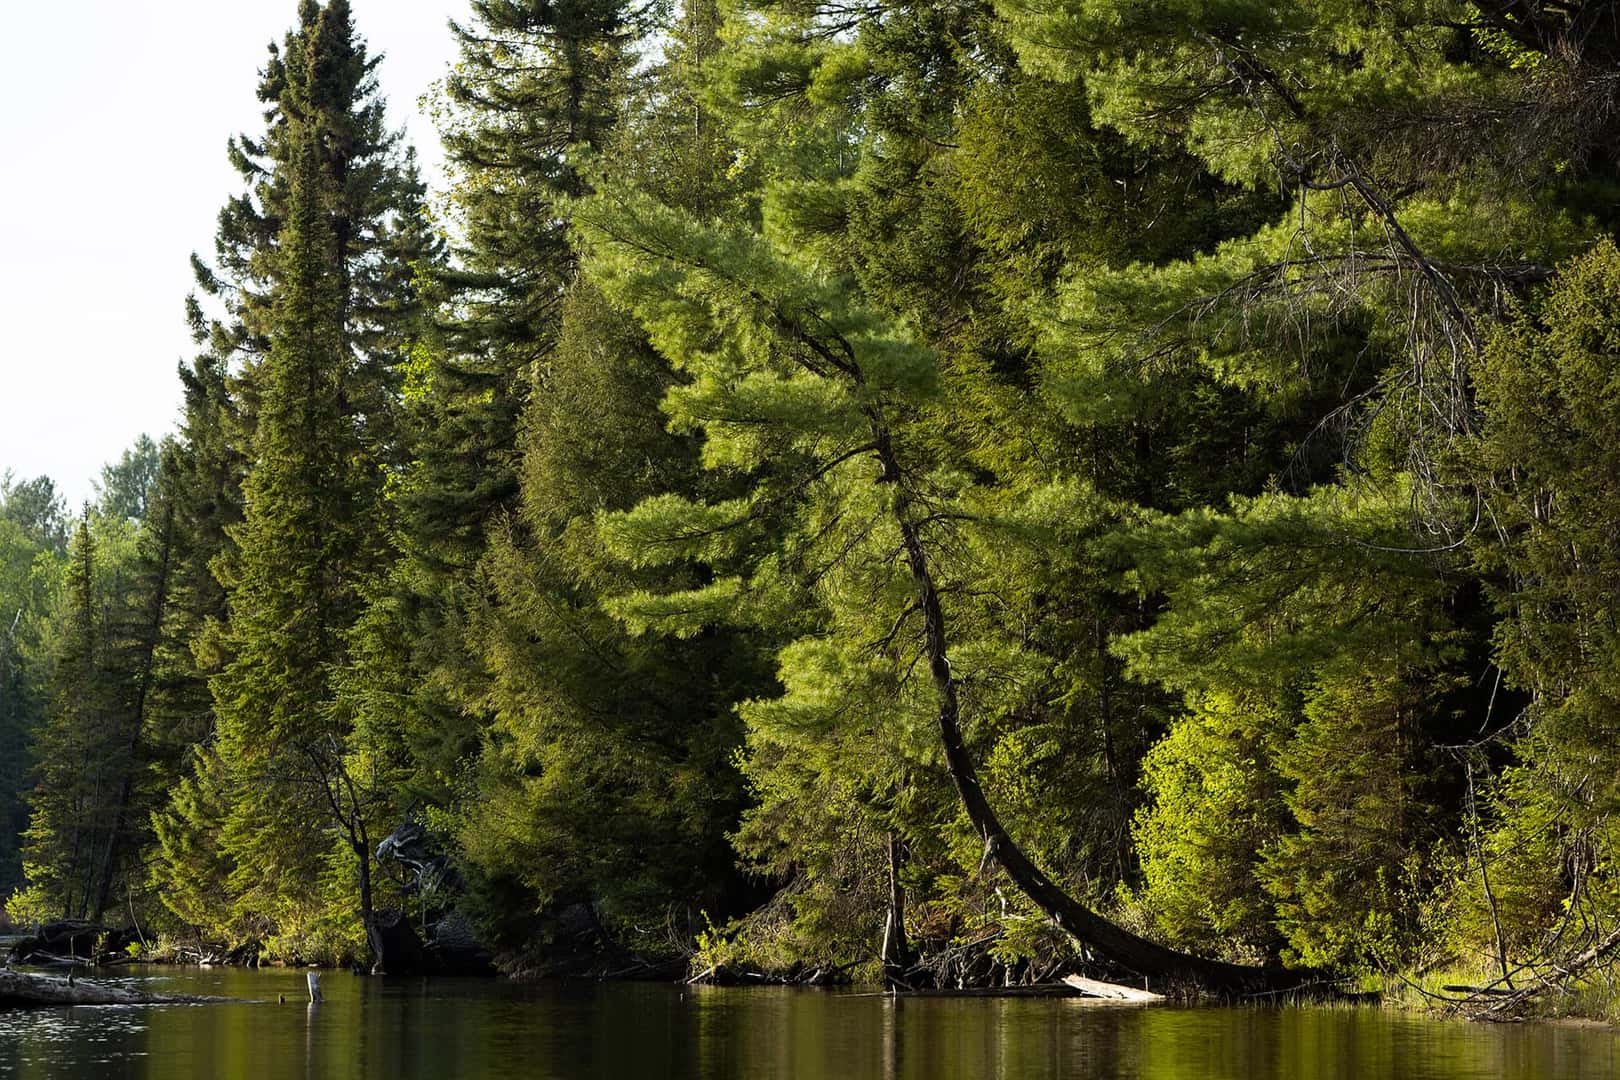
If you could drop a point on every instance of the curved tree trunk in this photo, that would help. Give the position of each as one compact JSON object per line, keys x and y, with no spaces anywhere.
{"x":1111,"y":942}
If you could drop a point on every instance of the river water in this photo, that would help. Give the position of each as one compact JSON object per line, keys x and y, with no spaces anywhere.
{"x":402,"y":1029}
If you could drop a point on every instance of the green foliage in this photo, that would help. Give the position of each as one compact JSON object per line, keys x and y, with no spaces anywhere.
{"x":1213,"y":404}
{"x":1216,"y":808}
{"x":1545,"y":464}
{"x":29,"y":573}
{"x":127,"y":485}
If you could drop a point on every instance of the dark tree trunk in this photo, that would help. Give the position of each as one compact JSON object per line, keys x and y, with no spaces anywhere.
{"x":896,"y":949}
{"x":1112,"y":943}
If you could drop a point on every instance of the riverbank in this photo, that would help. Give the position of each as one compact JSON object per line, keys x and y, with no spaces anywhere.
{"x":1458,"y":991}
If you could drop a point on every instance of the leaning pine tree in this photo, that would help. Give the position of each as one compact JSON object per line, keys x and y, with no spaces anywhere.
{"x":779,"y":354}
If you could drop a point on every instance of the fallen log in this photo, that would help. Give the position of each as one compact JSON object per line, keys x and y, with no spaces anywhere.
{"x":1094,"y":988}
{"x":1031,"y":990}
{"x":1072,"y":986}
{"x":19,"y":990}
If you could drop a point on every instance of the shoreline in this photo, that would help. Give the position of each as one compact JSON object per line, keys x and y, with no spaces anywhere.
{"x":1566,"y":1010}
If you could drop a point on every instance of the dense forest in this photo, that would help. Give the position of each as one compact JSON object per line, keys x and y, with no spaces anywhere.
{"x":912,"y":491}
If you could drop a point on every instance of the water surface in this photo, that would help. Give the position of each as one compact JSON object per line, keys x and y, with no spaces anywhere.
{"x":402,"y":1029}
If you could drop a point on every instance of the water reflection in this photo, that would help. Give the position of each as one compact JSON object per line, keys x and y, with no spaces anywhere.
{"x":404,"y":1029}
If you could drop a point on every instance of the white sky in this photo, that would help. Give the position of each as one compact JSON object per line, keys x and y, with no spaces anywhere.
{"x":113,"y":122}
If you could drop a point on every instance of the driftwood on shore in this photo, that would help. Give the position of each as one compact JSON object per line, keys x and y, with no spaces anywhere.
{"x":1073,"y":986}
{"x":1107,"y":991}
{"x":20,"y":990}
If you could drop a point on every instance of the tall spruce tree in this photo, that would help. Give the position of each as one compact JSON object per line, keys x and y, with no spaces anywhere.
{"x":294,"y":585}
{"x":382,"y":245}
{"x":604,"y":775}
{"x":299,"y":398}
{"x":533,"y":81}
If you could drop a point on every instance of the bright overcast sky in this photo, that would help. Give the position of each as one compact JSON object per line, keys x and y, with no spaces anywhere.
{"x":113,"y":121}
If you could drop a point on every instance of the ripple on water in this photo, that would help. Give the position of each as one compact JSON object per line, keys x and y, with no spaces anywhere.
{"x":36,"y":1037}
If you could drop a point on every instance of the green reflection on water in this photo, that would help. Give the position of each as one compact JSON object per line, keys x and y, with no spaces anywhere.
{"x":399,"y":1029}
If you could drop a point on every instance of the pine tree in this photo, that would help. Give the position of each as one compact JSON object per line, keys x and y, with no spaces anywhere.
{"x":534,"y":80}
{"x":779,"y":351}
{"x":294,"y":584}
{"x":606,"y":759}
{"x":344,"y":312}
{"x":28,"y":578}
{"x":79,"y":749}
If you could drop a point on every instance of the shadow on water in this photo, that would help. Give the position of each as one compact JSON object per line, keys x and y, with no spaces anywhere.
{"x":402,"y":1029}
